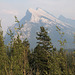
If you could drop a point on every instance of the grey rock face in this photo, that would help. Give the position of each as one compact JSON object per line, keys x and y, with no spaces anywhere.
{"x":36,"y":18}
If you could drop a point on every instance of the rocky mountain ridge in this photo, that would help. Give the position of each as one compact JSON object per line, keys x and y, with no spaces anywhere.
{"x":36,"y":18}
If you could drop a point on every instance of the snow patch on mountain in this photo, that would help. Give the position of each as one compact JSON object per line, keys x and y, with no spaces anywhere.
{"x":32,"y":22}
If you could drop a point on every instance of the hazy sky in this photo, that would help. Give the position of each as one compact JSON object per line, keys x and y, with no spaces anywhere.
{"x":10,"y":8}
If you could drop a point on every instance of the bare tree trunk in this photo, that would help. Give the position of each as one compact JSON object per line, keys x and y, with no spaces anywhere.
{"x":37,"y":73}
{"x":6,"y":70}
{"x":11,"y":70}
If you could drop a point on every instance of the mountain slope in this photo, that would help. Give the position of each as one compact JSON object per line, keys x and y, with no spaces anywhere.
{"x":67,"y":20}
{"x":36,"y":18}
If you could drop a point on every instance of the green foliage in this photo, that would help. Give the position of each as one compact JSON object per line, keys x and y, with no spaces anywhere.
{"x":11,"y":35}
{"x":3,"y":58}
{"x":61,"y":41}
{"x":44,"y":39}
{"x":17,"y":59}
{"x":20,"y":26}
{"x":18,"y":53}
{"x":42,"y":55}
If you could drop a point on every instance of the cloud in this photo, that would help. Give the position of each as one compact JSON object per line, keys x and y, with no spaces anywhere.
{"x":10,"y":12}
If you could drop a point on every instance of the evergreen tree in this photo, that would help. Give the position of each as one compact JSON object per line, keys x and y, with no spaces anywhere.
{"x":61,"y":54}
{"x":42,"y":52}
{"x":3,"y":58}
{"x":17,"y":59}
{"x":21,"y":50}
{"x":44,"y":39}
{"x":10,"y":52}
{"x":18,"y":54}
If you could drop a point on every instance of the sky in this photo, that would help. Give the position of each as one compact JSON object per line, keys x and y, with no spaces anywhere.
{"x":11,"y":8}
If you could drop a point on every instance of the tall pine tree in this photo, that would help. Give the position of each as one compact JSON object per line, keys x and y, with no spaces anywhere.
{"x":42,"y":52}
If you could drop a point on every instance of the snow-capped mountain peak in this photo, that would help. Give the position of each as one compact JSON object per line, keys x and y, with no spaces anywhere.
{"x":40,"y":14}
{"x":32,"y":22}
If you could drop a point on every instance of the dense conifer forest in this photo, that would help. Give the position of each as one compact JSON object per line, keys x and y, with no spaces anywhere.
{"x":44,"y":59}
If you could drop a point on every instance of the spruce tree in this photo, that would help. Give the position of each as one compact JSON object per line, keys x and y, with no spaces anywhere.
{"x":44,"y":40}
{"x":42,"y":52}
{"x":3,"y":58}
{"x":18,"y":53}
{"x":20,"y":50}
{"x":61,"y":54}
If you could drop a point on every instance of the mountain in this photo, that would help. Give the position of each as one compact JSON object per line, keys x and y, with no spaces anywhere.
{"x":36,"y":18}
{"x":67,"y":20}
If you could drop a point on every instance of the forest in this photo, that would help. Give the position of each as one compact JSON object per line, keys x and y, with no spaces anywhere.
{"x":18,"y":59}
